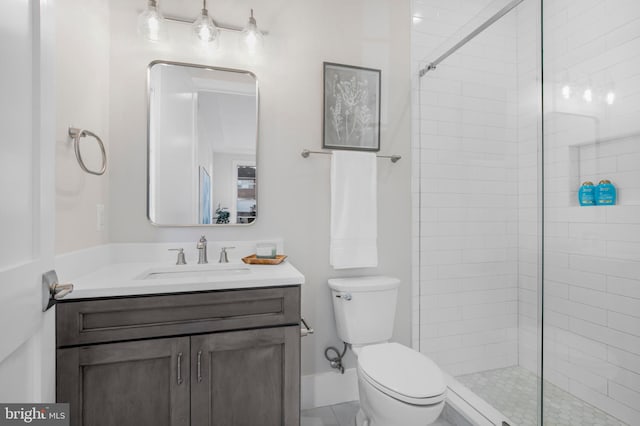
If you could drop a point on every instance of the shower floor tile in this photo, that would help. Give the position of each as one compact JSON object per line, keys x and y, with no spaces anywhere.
{"x":513,"y":392}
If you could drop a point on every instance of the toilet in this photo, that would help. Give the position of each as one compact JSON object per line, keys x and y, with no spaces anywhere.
{"x":397,"y":385}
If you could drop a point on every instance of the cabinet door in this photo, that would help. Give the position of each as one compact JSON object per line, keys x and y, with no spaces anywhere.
{"x":246,"y":378}
{"x":126,"y":384}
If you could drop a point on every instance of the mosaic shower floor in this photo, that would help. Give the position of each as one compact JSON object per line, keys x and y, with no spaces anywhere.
{"x":341,"y":415}
{"x":513,"y":392}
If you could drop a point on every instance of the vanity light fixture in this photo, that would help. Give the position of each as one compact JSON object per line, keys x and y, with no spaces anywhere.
{"x":566,"y":91}
{"x":151,"y":23}
{"x":204,"y":27}
{"x":252,"y":36}
{"x":587,"y":95}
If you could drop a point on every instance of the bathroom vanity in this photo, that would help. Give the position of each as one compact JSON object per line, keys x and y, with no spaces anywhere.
{"x":226,"y":355}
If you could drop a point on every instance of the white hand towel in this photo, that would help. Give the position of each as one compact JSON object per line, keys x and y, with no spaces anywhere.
{"x":354,"y":210}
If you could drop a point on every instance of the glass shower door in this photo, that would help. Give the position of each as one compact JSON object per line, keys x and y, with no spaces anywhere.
{"x":478,"y":180}
{"x":591,"y":251}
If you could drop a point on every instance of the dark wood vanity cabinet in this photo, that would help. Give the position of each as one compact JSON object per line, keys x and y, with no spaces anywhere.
{"x":220,"y":370}
{"x":246,"y":378}
{"x":129,"y":383}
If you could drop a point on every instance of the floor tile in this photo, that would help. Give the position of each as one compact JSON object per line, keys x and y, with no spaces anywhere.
{"x":346,"y":413}
{"x":340,"y":415}
{"x":514,"y":392}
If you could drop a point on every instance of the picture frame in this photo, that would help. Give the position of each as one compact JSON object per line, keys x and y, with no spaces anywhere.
{"x":351,"y":107}
{"x":205,"y":197}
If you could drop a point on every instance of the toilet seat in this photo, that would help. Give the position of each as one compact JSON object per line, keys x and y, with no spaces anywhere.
{"x":402,"y":373}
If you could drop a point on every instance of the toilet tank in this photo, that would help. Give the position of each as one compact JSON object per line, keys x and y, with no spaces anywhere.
{"x":364,"y":308}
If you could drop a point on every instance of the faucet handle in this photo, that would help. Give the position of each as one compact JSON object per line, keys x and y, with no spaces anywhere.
{"x":181,"y":260}
{"x":223,"y":254}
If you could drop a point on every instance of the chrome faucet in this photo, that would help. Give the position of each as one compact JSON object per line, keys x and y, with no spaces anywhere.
{"x":202,"y":250}
{"x":223,"y":255}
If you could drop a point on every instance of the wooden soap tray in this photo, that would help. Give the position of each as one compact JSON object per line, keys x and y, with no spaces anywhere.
{"x":254,"y":260}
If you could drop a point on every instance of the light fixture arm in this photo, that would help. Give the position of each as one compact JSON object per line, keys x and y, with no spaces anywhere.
{"x":221,"y":26}
{"x":224,"y":27}
{"x":206,"y":28}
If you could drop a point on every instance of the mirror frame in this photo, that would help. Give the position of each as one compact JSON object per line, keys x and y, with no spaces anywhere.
{"x":212,"y":68}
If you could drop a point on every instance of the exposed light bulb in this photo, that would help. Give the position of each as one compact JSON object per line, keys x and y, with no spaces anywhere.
{"x":587,"y":95}
{"x":566,"y":91}
{"x":204,"y":27}
{"x":252,"y":36}
{"x":611,"y":97}
{"x":151,"y":22}
{"x":204,"y":33}
{"x":154,"y":25}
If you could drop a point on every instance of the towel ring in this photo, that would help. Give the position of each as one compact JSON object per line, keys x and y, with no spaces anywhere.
{"x":76,"y":134}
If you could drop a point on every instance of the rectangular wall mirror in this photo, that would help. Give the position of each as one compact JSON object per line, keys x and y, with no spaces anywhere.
{"x":202,"y":141}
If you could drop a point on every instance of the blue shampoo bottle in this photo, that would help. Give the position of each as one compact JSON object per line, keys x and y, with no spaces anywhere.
{"x":587,"y":194}
{"x":605,"y":193}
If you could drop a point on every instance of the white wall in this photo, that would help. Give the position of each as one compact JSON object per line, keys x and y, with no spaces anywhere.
{"x":466,"y":181}
{"x":294,"y":192}
{"x":228,"y":120}
{"x":175,"y":180}
{"x":592,"y":271}
{"x":226,"y":133}
{"x":82,"y":100}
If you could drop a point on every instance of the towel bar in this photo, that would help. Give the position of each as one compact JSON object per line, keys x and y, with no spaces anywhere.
{"x":305,"y":153}
{"x":76,"y":134}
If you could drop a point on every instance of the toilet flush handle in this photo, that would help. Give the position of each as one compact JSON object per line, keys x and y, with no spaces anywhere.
{"x":344,"y":296}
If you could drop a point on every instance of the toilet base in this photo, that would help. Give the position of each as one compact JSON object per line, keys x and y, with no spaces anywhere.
{"x":361,"y":419}
{"x":379,"y":409}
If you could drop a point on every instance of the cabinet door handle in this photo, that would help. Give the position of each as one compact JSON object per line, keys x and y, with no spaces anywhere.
{"x":180,"y":368}
{"x":199,"y":366}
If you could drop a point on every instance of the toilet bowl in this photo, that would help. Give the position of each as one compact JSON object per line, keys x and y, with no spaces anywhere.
{"x":398,"y":386}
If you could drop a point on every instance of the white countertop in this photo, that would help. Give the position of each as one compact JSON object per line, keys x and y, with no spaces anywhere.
{"x":126,"y":279}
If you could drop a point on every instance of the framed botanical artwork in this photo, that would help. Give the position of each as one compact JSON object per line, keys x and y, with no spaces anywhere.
{"x":351,"y":108}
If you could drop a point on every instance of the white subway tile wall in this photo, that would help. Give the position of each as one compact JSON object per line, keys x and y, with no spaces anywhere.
{"x":467,"y":180}
{"x":476,"y":185}
{"x":529,"y":212}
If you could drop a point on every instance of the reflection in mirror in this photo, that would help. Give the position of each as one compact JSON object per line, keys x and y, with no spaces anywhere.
{"x":203,"y":126}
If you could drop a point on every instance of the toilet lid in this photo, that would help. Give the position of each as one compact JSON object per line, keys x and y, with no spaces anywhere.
{"x":402,"y":370}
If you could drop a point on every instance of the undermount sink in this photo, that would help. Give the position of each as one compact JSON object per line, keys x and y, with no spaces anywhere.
{"x":198,"y":271}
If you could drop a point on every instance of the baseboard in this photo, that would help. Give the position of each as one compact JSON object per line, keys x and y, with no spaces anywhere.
{"x":320,"y":390}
